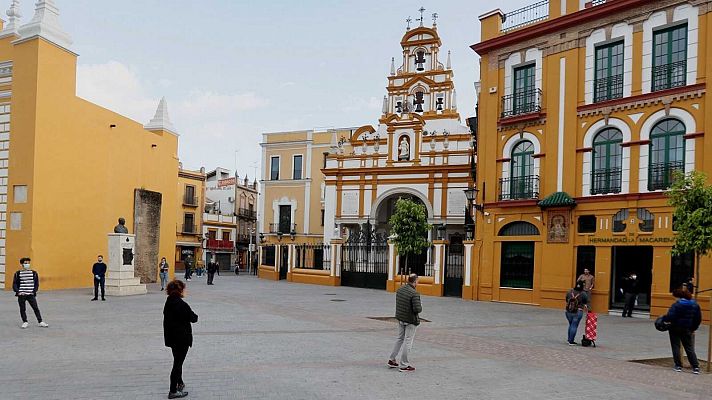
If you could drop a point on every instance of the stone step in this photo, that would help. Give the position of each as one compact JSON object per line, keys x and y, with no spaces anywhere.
{"x":121,"y":268}
{"x":120,"y":275}
{"x":129,"y":290}
{"x":114,"y":282}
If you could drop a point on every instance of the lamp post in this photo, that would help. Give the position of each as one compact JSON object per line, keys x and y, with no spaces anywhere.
{"x":249,"y":251}
{"x":471,"y":195}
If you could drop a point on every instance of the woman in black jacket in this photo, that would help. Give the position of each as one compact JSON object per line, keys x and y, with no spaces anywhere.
{"x":177,"y":333}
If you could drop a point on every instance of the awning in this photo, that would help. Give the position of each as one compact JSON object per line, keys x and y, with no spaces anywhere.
{"x":188,"y":244}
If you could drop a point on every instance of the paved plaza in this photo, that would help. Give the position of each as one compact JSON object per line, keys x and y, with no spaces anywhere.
{"x":260,"y":339}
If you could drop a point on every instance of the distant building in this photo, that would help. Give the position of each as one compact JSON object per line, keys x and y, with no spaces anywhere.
{"x":246,"y":195}
{"x":191,"y":200}
{"x":219,"y":218}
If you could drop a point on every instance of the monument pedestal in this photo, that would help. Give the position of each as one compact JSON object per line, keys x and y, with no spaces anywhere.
{"x":121,"y":280}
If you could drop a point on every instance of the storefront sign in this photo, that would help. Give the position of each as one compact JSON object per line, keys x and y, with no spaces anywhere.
{"x":226,"y":182}
{"x":631,"y":240}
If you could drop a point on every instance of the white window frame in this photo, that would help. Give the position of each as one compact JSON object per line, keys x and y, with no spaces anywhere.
{"x":294,"y":156}
{"x":279,"y":164}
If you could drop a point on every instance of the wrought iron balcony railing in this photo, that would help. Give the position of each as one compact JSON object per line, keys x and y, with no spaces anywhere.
{"x":521,"y":102}
{"x":662,"y":175}
{"x":608,"y":88}
{"x":525,"y":16}
{"x":606,"y":181}
{"x":670,"y":75}
{"x":247,"y":213}
{"x":188,"y":229}
{"x":218,"y":244}
{"x":282,"y":228}
{"x":519,"y":188}
{"x":190,"y":201}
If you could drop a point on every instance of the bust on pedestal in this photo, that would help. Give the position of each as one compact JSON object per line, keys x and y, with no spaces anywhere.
{"x":121,"y":280}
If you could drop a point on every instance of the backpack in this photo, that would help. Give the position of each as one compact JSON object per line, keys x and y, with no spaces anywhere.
{"x":572,"y":305}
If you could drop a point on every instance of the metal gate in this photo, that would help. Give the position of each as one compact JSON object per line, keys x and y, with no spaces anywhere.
{"x":364,"y":261}
{"x":284,"y":264}
{"x":454,"y":270}
{"x":420,"y":264}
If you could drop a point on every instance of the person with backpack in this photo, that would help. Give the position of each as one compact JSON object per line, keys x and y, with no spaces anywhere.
{"x":576,"y":302}
{"x":684,"y":317}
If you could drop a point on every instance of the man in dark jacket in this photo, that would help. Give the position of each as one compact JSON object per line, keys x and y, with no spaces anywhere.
{"x":630,"y":293}
{"x":25,"y":284}
{"x":407,"y":309}
{"x":684,"y":317}
{"x":213,"y":267}
{"x":99,"y":271}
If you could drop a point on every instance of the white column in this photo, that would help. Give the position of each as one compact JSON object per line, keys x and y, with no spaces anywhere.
{"x":291,"y":251}
{"x":468,"y":263}
{"x":562,"y":103}
{"x":438,"y":265}
{"x":392,"y":266}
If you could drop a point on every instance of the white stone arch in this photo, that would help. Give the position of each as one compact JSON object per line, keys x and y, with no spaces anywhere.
{"x":690,"y":127}
{"x":401,"y":190}
{"x":509,"y":146}
{"x":591,"y":133}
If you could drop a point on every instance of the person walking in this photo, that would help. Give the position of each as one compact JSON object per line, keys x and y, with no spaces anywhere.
{"x":188,"y":262}
{"x":576,"y":304}
{"x":684,"y":317}
{"x":177,"y":333}
{"x":163,"y":272}
{"x":213,"y":267}
{"x":408,"y":308}
{"x":25,"y":284}
{"x":630,"y":294}
{"x":99,"y":271}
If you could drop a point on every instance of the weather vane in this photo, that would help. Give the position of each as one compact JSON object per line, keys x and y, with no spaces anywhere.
{"x":408,"y":21}
{"x":422,"y":10}
{"x":435,"y":19}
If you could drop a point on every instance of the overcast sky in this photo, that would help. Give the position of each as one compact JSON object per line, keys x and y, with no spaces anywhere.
{"x":231,"y":69}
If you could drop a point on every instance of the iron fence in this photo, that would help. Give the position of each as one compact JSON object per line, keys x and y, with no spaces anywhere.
{"x":268,"y":255}
{"x":525,"y":16}
{"x":608,"y":88}
{"x":521,"y":102}
{"x":606,"y":180}
{"x":284,"y":228}
{"x":364,"y":257}
{"x":671,"y":75}
{"x":313,"y":256}
{"x":454,"y":260}
{"x":661,"y":176}
{"x":519,"y":188}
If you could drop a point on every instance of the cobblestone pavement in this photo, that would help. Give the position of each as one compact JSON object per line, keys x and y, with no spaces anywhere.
{"x":276,"y":340}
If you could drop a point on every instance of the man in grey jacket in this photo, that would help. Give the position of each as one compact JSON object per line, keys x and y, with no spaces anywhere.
{"x":407,"y":309}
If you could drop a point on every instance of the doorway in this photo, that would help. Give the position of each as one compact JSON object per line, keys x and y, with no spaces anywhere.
{"x":627,"y":260}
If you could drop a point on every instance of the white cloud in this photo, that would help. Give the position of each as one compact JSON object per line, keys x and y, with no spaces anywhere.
{"x":211,"y":105}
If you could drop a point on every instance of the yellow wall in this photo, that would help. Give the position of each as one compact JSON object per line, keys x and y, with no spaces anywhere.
{"x":81,"y":174}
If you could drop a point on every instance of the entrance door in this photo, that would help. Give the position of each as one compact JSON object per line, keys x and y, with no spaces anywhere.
{"x":454,"y":265}
{"x":223,"y":260}
{"x":627,"y":260}
{"x":284,"y":262}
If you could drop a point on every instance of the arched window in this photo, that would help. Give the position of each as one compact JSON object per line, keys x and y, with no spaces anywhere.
{"x":519,"y":228}
{"x":667,"y":153}
{"x":607,"y":162}
{"x":522,"y":182}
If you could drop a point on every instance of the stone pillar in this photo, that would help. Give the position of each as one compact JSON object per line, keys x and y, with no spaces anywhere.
{"x":392,"y":285}
{"x":291,"y":259}
{"x":336,"y":257}
{"x":468,"y":288}
{"x":121,"y":280}
{"x":438,"y":266}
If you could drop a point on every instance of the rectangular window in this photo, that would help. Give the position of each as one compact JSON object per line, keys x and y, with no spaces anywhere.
{"x":669,"y":58}
{"x":608,"y":79}
{"x":585,"y":258}
{"x":324,"y":161}
{"x":189,"y":195}
{"x":20,"y":194}
{"x":226,"y":235}
{"x":587,"y":224}
{"x":524,"y":100}
{"x":682,"y":268}
{"x":517,"y":265}
{"x":285,"y":219}
{"x":15,"y":221}
{"x":188,"y":223}
{"x":297,"y":169}
{"x":322,"y":217}
{"x":274,"y":168}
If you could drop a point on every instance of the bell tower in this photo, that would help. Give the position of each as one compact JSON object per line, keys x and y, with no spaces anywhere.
{"x":423,"y":83}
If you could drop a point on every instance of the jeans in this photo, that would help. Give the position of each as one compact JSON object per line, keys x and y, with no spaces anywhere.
{"x":179,"y":354}
{"x":188,"y":272}
{"x":164,"y":279}
{"x":406,"y":334}
{"x":687,"y":339}
{"x":97,"y":283}
{"x":629,"y":304}
{"x":574,"y":320}
{"x":33,"y":303}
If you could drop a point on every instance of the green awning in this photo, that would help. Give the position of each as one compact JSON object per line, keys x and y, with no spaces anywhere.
{"x":558,"y":199}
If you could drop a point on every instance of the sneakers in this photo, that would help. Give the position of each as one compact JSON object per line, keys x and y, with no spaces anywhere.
{"x":572,"y":343}
{"x":409,"y":368}
{"x":677,"y":368}
{"x":392,"y":364}
{"x":43,"y":325}
{"x":94,"y":299}
{"x":177,"y":395}
{"x":24,"y":325}
{"x":103,"y":299}
{"x":696,"y":371}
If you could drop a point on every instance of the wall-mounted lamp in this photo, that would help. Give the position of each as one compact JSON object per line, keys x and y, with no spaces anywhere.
{"x":293,"y":235}
{"x":471,"y":195}
{"x":262,"y":237}
{"x":279,"y":236}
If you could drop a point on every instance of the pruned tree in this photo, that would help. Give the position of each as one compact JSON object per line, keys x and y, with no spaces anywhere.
{"x":409,"y":228}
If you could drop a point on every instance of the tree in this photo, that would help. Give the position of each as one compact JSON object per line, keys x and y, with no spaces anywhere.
{"x":692,"y":219}
{"x":409,"y":228}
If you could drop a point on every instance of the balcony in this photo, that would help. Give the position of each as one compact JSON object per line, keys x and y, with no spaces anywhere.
{"x":608,"y":88}
{"x":662,"y":175}
{"x":188,"y":229}
{"x":668,"y":76}
{"x":524,"y":16}
{"x":604,"y":181}
{"x":522,"y":102}
{"x":282,"y":228}
{"x":247,"y":213}
{"x":218,"y":244}
{"x":190,"y":201}
{"x":519,"y":188}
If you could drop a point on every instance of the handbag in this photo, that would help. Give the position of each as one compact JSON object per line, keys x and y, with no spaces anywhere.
{"x":661,"y":325}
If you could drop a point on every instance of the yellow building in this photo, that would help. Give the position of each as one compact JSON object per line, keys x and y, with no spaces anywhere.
{"x":191,"y":201}
{"x":69,"y":167}
{"x":585,"y":110}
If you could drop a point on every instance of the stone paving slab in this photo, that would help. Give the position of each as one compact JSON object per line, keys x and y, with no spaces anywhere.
{"x":276,"y":340}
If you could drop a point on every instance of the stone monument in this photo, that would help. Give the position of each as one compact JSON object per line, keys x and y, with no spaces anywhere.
{"x":121,"y":280}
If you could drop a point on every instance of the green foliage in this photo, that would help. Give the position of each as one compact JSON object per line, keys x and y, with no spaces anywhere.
{"x":409,"y":225}
{"x":692,"y":200}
